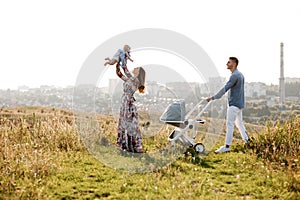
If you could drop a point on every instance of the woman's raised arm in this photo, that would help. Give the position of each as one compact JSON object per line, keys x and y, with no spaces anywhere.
{"x":119,"y":73}
{"x":126,"y":71}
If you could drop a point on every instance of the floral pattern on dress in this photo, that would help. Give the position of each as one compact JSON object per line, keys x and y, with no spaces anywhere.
{"x":129,"y":134}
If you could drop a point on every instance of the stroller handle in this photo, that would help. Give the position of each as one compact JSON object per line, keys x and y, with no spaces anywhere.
{"x":196,"y":107}
{"x":191,"y":122}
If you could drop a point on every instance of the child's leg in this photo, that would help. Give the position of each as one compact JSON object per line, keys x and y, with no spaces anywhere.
{"x":110,"y":62}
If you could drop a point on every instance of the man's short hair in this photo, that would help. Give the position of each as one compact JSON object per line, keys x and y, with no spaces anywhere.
{"x":235,"y":60}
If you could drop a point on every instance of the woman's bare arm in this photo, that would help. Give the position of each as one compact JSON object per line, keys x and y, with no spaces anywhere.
{"x":126,"y":71}
{"x":119,"y":73}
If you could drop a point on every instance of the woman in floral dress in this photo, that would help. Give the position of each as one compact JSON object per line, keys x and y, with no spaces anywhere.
{"x":129,"y":134}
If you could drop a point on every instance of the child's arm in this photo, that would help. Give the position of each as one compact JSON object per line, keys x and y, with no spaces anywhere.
{"x":128,"y":56}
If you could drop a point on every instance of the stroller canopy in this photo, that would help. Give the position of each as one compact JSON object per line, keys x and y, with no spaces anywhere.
{"x":175,"y":112}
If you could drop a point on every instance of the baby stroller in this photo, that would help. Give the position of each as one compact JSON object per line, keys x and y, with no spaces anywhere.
{"x":175,"y":115}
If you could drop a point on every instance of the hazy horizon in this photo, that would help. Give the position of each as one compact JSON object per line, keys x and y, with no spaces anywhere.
{"x":100,"y":86}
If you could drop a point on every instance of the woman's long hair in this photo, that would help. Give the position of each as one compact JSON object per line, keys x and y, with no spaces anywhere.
{"x":141,"y":77}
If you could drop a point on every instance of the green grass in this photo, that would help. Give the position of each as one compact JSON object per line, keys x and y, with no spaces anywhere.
{"x":232,"y":175}
{"x":41,"y":158}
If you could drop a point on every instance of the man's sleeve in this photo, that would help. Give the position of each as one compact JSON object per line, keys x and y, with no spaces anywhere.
{"x":228,"y":85}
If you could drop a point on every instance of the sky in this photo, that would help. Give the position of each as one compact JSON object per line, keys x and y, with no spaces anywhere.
{"x":47,"y":42}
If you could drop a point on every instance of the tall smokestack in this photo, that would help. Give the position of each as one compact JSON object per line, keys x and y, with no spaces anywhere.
{"x":281,"y":79}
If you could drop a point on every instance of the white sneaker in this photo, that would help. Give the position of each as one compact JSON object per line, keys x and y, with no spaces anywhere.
{"x":222,"y":149}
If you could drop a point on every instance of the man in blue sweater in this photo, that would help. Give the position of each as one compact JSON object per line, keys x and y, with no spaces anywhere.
{"x":236,"y":102}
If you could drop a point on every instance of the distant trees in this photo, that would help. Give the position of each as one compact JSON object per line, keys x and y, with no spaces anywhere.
{"x":258,"y":111}
{"x":292,"y":89}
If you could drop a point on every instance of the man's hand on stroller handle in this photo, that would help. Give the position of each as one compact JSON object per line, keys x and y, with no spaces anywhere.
{"x":208,"y":99}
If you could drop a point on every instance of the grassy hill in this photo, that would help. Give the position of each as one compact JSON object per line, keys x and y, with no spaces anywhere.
{"x":41,"y":157}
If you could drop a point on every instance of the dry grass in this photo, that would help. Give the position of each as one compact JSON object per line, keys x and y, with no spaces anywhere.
{"x":31,"y":140}
{"x":279,"y":145}
{"x":42,"y":157}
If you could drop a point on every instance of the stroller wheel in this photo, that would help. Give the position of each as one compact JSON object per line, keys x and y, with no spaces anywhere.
{"x":199,"y":148}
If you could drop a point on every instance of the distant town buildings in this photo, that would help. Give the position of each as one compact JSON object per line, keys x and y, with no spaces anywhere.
{"x":292,"y":80}
{"x":255,"y":89}
{"x":157,"y":96}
